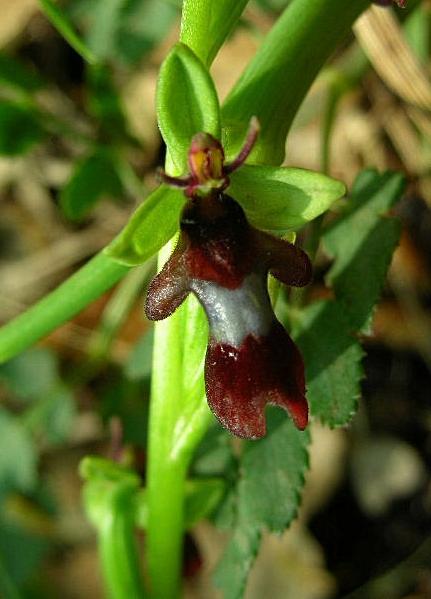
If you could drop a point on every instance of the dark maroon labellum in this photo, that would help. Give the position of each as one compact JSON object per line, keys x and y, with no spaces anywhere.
{"x":251,"y":360}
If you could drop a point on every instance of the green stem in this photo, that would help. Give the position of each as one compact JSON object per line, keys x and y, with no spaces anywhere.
{"x":179,"y":417}
{"x":166,"y":474}
{"x":165,"y":528}
{"x":277,"y":79}
{"x":83,"y":287}
{"x":119,"y":555}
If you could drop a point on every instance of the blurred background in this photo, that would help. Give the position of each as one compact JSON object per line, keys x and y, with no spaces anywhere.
{"x":79,"y":147}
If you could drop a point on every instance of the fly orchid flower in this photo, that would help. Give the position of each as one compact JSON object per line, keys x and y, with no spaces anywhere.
{"x":251,"y":360}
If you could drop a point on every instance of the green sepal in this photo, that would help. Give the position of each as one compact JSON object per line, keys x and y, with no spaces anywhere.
{"x":150,"y":227}
{"x":186,"y":103}
{"x":279,"y":199}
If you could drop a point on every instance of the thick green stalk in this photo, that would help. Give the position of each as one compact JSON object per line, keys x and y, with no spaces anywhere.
{"x":166,"y":476}
{"x":276,"y":80}
{"x":83,"y":287}
{"x":179,"y":347}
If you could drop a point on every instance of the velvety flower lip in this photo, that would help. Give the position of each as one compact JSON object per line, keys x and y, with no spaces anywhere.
{"x":251,"y":361}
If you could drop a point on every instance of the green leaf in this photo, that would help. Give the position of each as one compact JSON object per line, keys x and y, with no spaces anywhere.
{"x":18,"y":455}
{"x":60,"y":21}
{"x":279,"y":199}
{"x":14,"y":74}
{"x":332,"y":359}
{"x":273,"y":471}
{"x":151,"y":226}
{"x":94,"y":178}
{"x":268,"y":496}
{"x":32,"y":374}
{"x":205,"y":25}
{"x":187,"y":103}
{"x":19,"y":129}
{"x":233,"y":569}
{"x":362,"y":243}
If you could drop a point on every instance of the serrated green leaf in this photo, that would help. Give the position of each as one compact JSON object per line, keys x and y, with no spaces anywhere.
{"x":93,"y":178}
{"x":362,"y":243}
{"x":205,"y":25}
{"x":279,"y":198}
{"x":14,"y":74}
{"x":18,"y":455}
{"x":19,"y":129}
{"x":273,"y":471}
{"x":186,"y":102}
{"x":332,"y":359}
{"x":268,"y":496}
{"x":151,"y":226}
{"x":233,"y":569}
